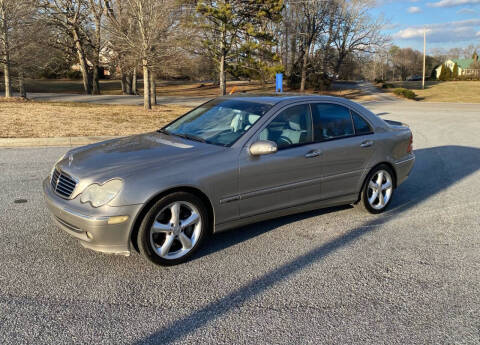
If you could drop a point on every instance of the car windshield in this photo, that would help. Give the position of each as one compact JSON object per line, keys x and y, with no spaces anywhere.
{"x":218,"y":122}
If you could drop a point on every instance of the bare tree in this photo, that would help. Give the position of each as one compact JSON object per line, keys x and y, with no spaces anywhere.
{"x":16,"y":17}
{"x":357,"y":32}
{"x":71,"y":17}
{"x":149,"y":36}
{"x":314,"y":16}
{"x":97,"y":10}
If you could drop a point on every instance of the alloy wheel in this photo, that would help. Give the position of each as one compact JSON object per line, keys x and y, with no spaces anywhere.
{"x":175,"y":230}
{"x":380,"y":188}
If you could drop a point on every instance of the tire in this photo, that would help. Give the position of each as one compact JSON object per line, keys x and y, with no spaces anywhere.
{"x":173,"y":229}
{"x":368,"y":201}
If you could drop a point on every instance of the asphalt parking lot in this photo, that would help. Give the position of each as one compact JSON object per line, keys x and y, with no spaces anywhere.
{"x":408,"y":276}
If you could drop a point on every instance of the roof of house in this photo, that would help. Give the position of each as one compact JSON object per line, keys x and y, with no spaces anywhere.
{"x":463,"y":63}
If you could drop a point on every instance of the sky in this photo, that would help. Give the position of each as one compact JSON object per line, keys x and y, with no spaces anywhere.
{"x":448,"y":23}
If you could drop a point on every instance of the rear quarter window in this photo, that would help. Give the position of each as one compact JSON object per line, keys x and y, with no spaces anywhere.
{"x":361,"y":125}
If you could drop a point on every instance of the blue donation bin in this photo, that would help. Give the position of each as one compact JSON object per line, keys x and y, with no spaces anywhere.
{"x":279,"y":82}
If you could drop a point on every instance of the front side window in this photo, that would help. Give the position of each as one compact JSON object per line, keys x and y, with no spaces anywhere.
{"x":219,"y":122}
{"x":331,"y":121}
{"x":291,"y":127}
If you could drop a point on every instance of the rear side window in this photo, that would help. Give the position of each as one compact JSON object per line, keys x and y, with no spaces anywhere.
{"x":331,"y":121}
{"x":361,"y":126}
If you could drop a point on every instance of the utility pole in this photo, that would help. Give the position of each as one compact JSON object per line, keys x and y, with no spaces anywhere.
{"x":424,"y":55}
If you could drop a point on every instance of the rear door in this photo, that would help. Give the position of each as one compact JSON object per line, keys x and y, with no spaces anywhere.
{"x":347,"y":145}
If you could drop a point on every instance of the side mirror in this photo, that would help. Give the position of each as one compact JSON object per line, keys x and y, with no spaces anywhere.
{"x":263,"y":147}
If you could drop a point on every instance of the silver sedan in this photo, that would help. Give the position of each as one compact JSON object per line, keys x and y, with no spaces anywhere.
{"x":230,"y":162}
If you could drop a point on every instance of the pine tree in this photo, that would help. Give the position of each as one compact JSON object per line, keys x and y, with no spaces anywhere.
{"x":443,"y":72}
{"x":235,"y":34}
{"x":455,"y":71}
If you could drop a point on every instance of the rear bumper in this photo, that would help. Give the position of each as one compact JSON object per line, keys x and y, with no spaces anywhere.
{"x":91,"y":227}
{"x":403,"y":168}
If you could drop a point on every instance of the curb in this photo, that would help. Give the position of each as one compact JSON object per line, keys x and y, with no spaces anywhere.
{"x":59,"y":141}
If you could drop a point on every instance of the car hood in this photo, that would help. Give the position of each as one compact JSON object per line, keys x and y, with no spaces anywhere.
{"x":124,"y":157}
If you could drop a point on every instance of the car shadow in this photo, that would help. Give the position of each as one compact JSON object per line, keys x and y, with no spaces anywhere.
{"x":225,"y":239}
{"x":413,"y":190}
{"x":436,"y":169}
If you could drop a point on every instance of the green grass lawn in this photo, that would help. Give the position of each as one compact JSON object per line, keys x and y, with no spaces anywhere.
{"x":444,"y":91}
{"x":110,"y":87}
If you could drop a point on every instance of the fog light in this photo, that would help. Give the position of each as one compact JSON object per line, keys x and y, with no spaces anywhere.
{"x":89,"y":235}
{"x":117,"y":219}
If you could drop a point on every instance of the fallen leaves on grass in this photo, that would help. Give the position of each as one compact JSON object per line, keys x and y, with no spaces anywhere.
{"x":28,"y":119}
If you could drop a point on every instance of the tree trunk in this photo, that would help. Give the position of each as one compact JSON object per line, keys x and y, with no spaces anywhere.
{"x":21,"y":84}
{"x":134,"y":81}
{"x":147,"y":101}
{"x":153,"y":88}
{"x":222,"y":76}
{"x":82,"y":60}
{"x":285,"y":49}
{"x":304,"y":69}
{"x":96,"y":80}
{"x":6,"y":56}
{"x":98,"y":42}
{"x":6,"y":72}
{"x":293,"y":50}
{"x":128,"y":84}
{"x":123,"y":81}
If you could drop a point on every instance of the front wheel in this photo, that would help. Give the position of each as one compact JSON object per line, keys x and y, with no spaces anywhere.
{"x":173,"y":229}
{"x":377,"y":190}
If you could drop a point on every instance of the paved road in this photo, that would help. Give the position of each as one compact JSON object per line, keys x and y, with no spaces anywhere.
{"x":115,"y":99}
{"x":366,"y":87}
{"x":409,"y":276}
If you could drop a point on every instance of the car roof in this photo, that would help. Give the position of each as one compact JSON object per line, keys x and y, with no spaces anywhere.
{"x":276,"y":98}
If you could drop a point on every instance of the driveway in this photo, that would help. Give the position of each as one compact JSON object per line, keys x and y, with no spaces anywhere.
{"x":334,"y":276}
{"x":368,"y":89}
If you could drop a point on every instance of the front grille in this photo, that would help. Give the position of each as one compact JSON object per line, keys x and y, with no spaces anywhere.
{"x":62,"y":184}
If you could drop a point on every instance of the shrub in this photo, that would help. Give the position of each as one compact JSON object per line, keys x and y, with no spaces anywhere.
{"x":388,"y":86}
{"x":405,"y":93}
{"x":455,"y":71}
{"x":47,"y":74}
{"x":444,"y":73}
{"x":72,"y":74}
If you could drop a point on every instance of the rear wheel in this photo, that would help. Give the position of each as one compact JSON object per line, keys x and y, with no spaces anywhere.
{"x":173,"y":229}
{"x":378,"y":189}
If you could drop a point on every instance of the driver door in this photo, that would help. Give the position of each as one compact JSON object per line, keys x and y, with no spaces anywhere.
{"x":289,"y":177}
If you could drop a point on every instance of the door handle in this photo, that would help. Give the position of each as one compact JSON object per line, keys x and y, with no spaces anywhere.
{"x":367,"y":143}
{"x":314,"y":153}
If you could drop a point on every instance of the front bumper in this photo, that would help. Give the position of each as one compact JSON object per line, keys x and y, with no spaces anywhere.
{"x":89,"y":225}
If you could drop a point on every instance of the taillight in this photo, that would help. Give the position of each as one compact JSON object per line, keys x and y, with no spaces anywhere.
{"x":410,"y":144}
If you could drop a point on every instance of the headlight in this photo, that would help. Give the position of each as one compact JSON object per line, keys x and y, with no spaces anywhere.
{"x":99,"y":195}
